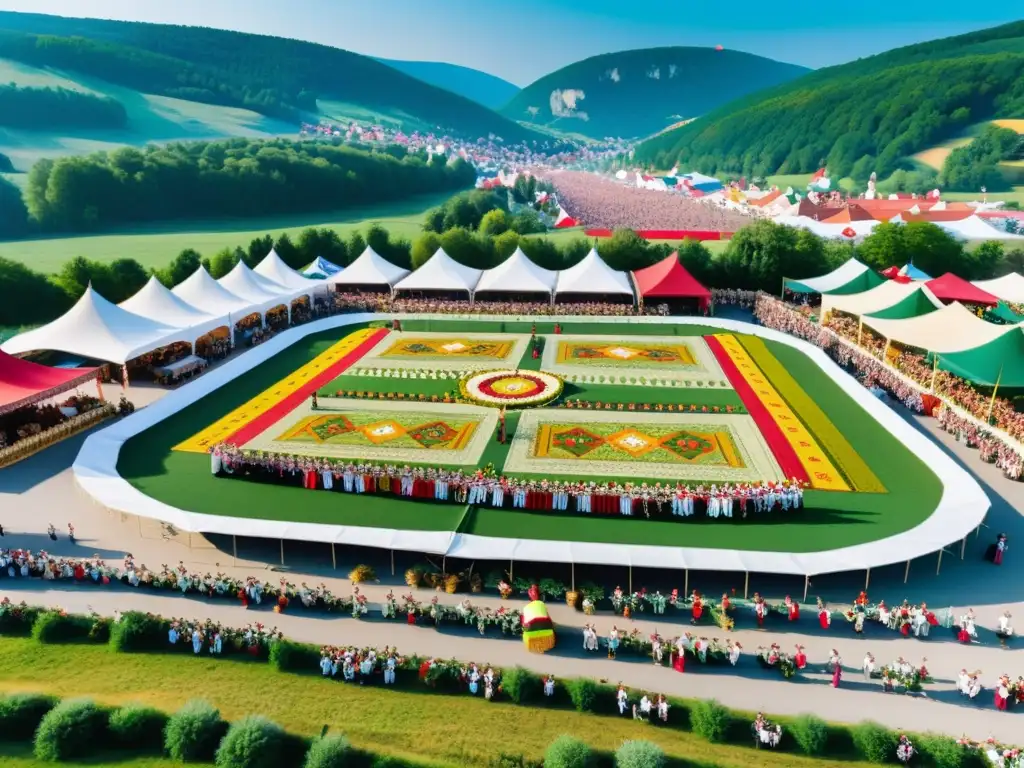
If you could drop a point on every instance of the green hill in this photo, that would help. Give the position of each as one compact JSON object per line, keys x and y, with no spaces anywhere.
{"x":868,"y":115}
{"x":275,"y":77}
{"x":641,"y":92}
{"x":481,"y":87}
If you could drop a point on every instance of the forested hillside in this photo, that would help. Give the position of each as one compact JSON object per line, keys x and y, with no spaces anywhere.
{"x":237,"y":178}
{"x":868,"y":115}
{"x":55,"y":108}
{"x":638,"y":93}
{"x":273,"y":76}
{"x":481,"y":87}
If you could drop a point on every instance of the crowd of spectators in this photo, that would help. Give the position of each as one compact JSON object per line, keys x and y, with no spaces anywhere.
{"x":776,"y":314}
{"x":382,"y":302}
{"x":607,"y":204}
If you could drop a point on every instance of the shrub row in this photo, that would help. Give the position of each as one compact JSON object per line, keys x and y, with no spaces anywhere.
{"x":199,"y":728}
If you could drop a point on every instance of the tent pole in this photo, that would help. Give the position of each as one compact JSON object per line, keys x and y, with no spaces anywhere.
{"x":991,"y":404}
{"x":282,"y":551}
{"x":939,"y":566}
{"x":573,"y":578}
{"x":631,"y":578}
{"x":867,"y":579}
{"x":807,"y":586}
{"x":906,"y":573}
{"x":746,"y":584}
{"x":511,"y":565}
{"x":963,"y":546}
{"x":935,"y":370}
{"x":234,"y":549}
{"x":334,"y":557}
{"x":686,"y":582}
{"x":392,"y":562}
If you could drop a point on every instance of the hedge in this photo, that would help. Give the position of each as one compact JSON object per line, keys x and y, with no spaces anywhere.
{"x":198,"y":731}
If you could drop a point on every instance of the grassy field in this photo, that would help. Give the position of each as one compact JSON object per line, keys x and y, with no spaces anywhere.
{"x":156,"y":245}
{"x":454,"y":730}
{"x":184,"y":480}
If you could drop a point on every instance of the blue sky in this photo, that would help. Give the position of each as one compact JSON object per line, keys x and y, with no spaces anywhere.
{"x":526,"y":39}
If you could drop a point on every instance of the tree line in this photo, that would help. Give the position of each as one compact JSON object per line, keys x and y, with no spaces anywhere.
{"x":758,"y":257}
{"x":865,"y":116}
{"x":976,"y":165}
{"x":235,"y":177}
{"x":47,"y":109}
{"x":484,"y":210}
{"x":273,"y":76}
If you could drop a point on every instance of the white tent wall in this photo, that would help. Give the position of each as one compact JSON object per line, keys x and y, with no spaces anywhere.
{"x":369,"y":269}
{"x":441,"y":273}
{"x":592,"y":275}
{"x":273,"y":269}
{"x":874,"y":300}
{"x":517,"y":274}
{"x":155,"y":302}
{"x":837,"y":278}
{"x":95,"y":328}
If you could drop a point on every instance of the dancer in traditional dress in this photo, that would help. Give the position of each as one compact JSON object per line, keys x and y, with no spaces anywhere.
{"x":792,"y":608}
{"x":622,"y":699}
{"x":868,"y":666}
{"x":613,"y":642}
{"x":824,"y":615}
{"x":697,"y":608}
{"x":1002,"y":693}
{"x":549,"y":685}
{"x":1005,"y":631}
{"x":837,"y":668}
{"x":734,"y":652}
{"x":679,"y":659}
{"x":800,"y":658}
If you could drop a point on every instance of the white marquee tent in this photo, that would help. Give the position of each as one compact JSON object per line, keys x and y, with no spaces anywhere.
{"x":369,"y":269}
{"x":204,"y":293}
{"x":953,"y":328}
{"x":838,"y":231}
{"x":241,"y":282}
{"x":155,"y":302}
{"x":273,"y":268}
{"x":517,"y":274}
{"x":1008,"y":287}
{"x":593,"y":275}
{"x":873,"y":300}
{"x":97,"y":329}
{"x":975,"y":228}
{"x":837,"y":278}
{"x":441,"y":273}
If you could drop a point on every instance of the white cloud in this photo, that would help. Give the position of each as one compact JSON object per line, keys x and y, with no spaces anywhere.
{"x":613,"y":75}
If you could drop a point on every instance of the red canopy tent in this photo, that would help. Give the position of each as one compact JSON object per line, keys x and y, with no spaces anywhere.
{"x":668,"y":279}
{"x":23,"y":382}
{"x":949,"y":287}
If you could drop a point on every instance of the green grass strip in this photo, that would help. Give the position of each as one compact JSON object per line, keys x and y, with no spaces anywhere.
{"x":843,"y":455}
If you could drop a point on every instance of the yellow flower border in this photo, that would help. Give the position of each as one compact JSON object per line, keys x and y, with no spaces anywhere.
{"x":543,"y":399}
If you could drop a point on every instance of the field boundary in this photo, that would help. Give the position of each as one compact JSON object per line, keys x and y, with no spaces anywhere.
{"x":961,"y":509}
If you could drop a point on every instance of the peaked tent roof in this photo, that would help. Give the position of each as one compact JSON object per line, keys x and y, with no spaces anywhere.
{"x":976,"y":228}
{"x":96,"y":329}
{"x":518,"y":274}
{"x":920,"y":302}
{"x":201,"y":291}
{"x":369,"y":269}
{"x":273,"y":268}
{"x":23,"y":382}
{"x":881,"y":296}
{"x":441,"y":273}
{"x":1001,"y":359}
{"x":1008,"y":287}
{"x":1002,"y":313}
{"x":593,"y":275}
{"x":953,"y":328}
{"x":321,"y":268}
{"x":949,"y":287}
{"x":242,"y":282}
{"x":668,"y":279}
{"x":155,"y":302}
{"x":838,"y":278}
{"x":912,"y":272}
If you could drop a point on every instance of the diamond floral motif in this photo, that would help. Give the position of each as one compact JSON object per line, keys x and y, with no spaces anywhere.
{"x":433,"y":435}
{"x":623,"y":353}
{"x":577,"y":441}
{"x":330,"y":426}
{"x":454,"y":346}
{"x":633,"y":442}
{"x":687,"y":445}
{"x":383,"y":431}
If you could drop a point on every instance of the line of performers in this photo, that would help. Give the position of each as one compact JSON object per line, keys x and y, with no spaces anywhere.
{"x":358,"y":665}
{"x":629,"y":499}
{"x":1007,"y":693}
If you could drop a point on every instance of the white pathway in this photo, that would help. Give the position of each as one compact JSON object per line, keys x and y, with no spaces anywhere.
{"x":42,"y":490}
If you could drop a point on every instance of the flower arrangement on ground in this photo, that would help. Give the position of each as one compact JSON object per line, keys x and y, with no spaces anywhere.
{"x":511,"y":389}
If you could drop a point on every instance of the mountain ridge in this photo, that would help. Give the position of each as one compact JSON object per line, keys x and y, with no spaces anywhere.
{"x":639,"y":92}
{"x":482,"y":87}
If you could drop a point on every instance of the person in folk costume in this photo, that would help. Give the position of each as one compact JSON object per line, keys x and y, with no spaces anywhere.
{"x":824,"y":615}
{"x":760,"y":609}
{"x":474,"y":680}
{"x":1005,"y":631}
{"x":837,"y":668}
{"x":327,"y":666}
{"x":657,"y":652}
{"x":501,"y":426}
{"x":800,"y":659}
{"x":678,"y":655}
{"x":868,"y":666}
{"x":390,"y":666}
{"x":996,"y":551}
{"x":663,"y":707}
{"x":697,"y":608}
{"x":549,"y":685}
{"x":968,"y":633}
{"x":792,"y":608}
{"x":884,"y":614}
{"x":622,"y":699}
{"x":613,"y":642}
{"x":1002,"y":693}
{"x":734,"y":652}
{"x":197,"y":641}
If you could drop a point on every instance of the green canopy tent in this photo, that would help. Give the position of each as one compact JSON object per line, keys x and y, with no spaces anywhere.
{"x":914,"y":305}
{"x":851,"y":277}
{"x":1002,"y":313}
{"x":1000,"y":362}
